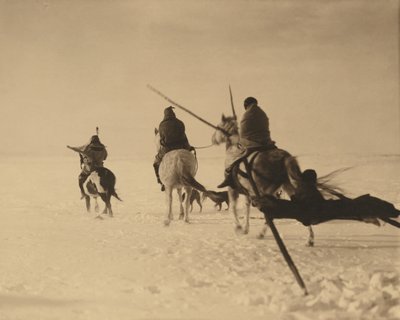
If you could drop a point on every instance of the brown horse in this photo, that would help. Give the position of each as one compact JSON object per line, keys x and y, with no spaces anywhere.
{"x":271,"y":170}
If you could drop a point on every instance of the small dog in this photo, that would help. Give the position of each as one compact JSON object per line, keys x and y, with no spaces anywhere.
{"x":218,"y":197}
{"x":195,"y":196}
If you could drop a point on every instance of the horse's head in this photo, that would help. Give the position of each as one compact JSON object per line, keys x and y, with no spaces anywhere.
{"x":157,"y":139}
{"x":229,"y":130}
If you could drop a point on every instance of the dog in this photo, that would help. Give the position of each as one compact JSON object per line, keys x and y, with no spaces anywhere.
{"x":218,"y":198}
{"x":195,"y":196}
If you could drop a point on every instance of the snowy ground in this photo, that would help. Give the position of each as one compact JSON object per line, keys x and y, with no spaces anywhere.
{"x":58,"y":262}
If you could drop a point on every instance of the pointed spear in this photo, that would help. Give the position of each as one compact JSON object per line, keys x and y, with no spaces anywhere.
{"x":233,"y":106}
{"x":187,"y":110}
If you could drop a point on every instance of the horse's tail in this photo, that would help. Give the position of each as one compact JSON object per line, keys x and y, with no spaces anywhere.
{"x":293,"y":170}
{"x":111,"y":190}
{"x":107,"y":181}
{"x":187,"y":172}
{"x":113,"y":193}
{"x":190,"y":180}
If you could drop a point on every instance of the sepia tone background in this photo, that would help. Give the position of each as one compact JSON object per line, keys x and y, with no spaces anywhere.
{"x":326,"y":72}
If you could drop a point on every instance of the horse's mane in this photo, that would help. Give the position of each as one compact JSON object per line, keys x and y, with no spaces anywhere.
{"x":327,"y":188}
{"x":230,"y":125}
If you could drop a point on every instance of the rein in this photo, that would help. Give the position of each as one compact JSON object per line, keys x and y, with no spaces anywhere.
{"x":204,"y":147}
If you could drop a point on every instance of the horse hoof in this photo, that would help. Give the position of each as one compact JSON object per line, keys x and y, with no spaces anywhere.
{"x":310,"y":244}
{"x":99,"y":217}
{"x":167,"y":222}
{"x":260,"y":236}
{"x":238,"y":230}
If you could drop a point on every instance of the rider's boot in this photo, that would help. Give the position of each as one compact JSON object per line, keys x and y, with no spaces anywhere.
{"x":156,"y":167}
{"x":228,"y":181}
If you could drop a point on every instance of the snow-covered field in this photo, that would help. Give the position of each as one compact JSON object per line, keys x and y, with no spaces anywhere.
{"x":58,"y":262}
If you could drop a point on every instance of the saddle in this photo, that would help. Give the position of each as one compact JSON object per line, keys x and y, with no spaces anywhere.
{"x":248,"y":158}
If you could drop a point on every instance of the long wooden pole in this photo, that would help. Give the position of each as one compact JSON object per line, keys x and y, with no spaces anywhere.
{"x":276,"y":234}
{"x":187,"y":110}
{"x":233,"y":106}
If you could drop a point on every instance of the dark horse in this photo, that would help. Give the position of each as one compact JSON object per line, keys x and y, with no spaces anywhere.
{"x":270,"y":171}
{"x":100,"y":183}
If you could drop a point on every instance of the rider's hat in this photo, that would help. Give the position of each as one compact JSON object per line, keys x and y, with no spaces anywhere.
{"x":249,"y":101}
{"x":95,"y":139}
{"x":169,"y":111}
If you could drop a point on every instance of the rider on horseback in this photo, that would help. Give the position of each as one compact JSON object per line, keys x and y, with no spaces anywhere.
{"x":254,"y":136}
{"x":172,"y":137}
{"x":92,"y":156}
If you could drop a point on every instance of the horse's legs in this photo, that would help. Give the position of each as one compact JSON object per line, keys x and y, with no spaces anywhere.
{"x":290,"y":190}
{"x":247,"y":222}
{"x":103,"y":197}
{"x":108,"y":203}
{"x":87,"y":200}
{"x":187,"y":203}
{"x":233,"y":196}
{"x":181,"y":212}
{"x":310,"y":242}
{"x":96,"y":205}
{"x":168,"y":198}
{"x":272,"y":190}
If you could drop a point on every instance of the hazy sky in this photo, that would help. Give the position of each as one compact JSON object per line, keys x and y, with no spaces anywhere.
{"x":326,"y":72}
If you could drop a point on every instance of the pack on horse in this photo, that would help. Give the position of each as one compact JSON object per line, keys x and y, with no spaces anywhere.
{"x":177,"y":171}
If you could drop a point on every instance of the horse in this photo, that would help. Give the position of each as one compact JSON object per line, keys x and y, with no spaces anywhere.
{"x":177,"y":171}
{"x":271,"y":171}
{"x":100,"y":183}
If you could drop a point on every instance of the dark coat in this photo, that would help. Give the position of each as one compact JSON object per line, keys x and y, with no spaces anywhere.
{"x":95,"y":153}
{"x":172,"y":133}
{"x":254,"y":128}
